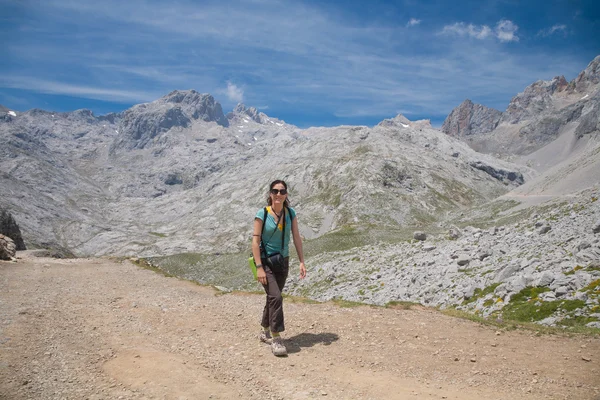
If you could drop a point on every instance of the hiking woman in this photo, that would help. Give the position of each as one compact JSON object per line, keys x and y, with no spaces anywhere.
{"x":270,"y":244}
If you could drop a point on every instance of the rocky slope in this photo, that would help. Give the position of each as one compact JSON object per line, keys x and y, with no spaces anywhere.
{"x":554,"y":248}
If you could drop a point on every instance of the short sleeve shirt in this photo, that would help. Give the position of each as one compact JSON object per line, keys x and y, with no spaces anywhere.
{"x":272,"y":233}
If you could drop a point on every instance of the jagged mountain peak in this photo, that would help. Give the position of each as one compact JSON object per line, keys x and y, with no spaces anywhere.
{"x":187,"y":97}
{"x":470,"y":118}
{"x":141,"y":123}
{"x":251,"y":112}
{"x":6,"y":114}
{"x":398,"y":120}
{"x":588,"y":78}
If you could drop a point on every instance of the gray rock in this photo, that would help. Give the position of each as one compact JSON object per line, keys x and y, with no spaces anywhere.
{"x":419,"y":235}
{"x":463,"y":260}
{"x":544,"y":229}
{"x":550,"y":321}
{"x":8,"y":249}
{"x":596,"y":227}
{"x":561,"y":291}
{"x":507,"y":272}
{"x":545,"y":279}
{"x":499,"y":173}
{"x":483,"y":254}
{"x":454,"y":233}
{"x":9,"y":227}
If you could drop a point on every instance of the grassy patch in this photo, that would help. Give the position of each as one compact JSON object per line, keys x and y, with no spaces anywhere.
{"x":351,"y":236}
{"x":593,"y":268}
{"x":162,"y":235}
{"x":402,"y":305}
{"x":509,"y":325}
{"x":347,"y":303}
{"x":575,"y":269}
{"x":525,"y":306}
{"x":480,"y":293}
{"x":593,"y":287}
{"x":143,"y":263}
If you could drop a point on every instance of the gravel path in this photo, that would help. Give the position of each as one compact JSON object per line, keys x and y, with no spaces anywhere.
{"x":101,"y":329}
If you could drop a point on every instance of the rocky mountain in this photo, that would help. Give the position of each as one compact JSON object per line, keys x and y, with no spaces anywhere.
{"x":174,"y":176}
{"x":533,"y":118}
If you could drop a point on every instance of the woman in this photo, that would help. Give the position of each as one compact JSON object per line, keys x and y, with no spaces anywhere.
{"x":272,"y":227}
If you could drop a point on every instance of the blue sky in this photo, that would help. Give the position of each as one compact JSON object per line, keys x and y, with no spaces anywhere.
{"x":310,"y":63}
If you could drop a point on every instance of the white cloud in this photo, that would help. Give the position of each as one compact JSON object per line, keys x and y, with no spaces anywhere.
{"x":462,"y":29}
{"x":413,"y":22}
{"x":554,"y":29}
{"x":234,"y":93}
{"x":505,"y":31}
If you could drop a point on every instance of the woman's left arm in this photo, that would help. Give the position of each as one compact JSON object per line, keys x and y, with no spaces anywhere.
{"x":298,"y":245}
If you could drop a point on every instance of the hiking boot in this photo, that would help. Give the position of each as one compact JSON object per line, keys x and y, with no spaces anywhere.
{"x":278,"y":348}
{"x":265,"y":337}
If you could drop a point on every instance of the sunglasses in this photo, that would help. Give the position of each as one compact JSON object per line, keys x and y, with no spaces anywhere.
{"x":279,"y":191}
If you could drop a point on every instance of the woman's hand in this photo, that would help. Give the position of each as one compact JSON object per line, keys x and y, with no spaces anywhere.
{"x":302,"y":271}
{"x":261,"y":275}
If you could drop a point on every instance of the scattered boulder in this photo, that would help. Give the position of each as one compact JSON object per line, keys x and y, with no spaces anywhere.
{"x":483,"y":254}
{"x":454,"y":233}
{"x":463,"y":260}
{"x":8,"y":249}
{"x":544,"y":229}
{"x":596,"y":227}
{"x":418,"y":235}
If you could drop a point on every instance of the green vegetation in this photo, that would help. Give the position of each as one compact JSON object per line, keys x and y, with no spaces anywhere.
{"x":140,"y":262}
{"x":526,"y":306}
{"x":575,"y":269}
{"x":347,"y":303}
{"x":403,"y":305}
{"x":162,"y":235}
{"x":480,"y":293}
{"x":593,"y":287}
{"x":350,"y":236}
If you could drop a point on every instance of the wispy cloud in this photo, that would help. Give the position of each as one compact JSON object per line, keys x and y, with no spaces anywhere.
{"x":91,"y":92}
{"x":505,"y":31}
{"x":556,"y":29}
{"x":413,"y":22}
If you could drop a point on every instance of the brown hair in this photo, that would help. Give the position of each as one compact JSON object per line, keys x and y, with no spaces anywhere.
{"x":286,"y":203}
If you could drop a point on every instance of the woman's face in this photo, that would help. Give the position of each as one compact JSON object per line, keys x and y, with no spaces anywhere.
{"x":278,"y":193}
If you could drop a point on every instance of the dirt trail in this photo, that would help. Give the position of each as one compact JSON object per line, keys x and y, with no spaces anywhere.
{"x":99,"y":329}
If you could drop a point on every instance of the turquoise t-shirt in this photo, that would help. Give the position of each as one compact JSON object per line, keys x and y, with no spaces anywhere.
{"x":271,"y":237}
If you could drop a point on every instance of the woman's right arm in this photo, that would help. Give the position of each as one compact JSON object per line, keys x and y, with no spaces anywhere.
{"x":261,"y":276}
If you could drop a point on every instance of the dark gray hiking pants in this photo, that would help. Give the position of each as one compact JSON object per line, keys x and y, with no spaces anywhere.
{"x":273,"y":312}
